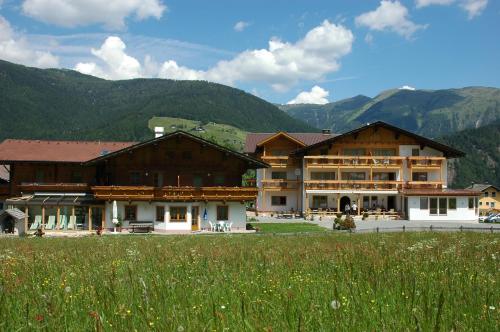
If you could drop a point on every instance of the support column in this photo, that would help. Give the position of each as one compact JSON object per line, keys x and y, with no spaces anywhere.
{"x":359,"y":206}
{"x":167,"y":216}
{"x":43,"y":217}
{"x":338,"y":203}
{"x":90,"y":218}
{"x":189,"y":215}
{"x":26,"y":211}
{"x":103,"y":218}
{"x":58,"y":217}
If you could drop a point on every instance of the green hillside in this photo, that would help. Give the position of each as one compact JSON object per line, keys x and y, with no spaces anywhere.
{"x":225,"y":135}
{"x":482,"y":162}
{"x":64,"y":104}
{"x":432,"y":113}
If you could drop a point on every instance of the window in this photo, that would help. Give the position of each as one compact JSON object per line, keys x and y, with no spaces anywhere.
{"x":219,"y":180}
{"x":492,"y":204}
{"x":471,"y":202}
{"x":485,"y":194}
{"x":187,"y":155}
{"x":424,"y":203}
{"x":323,"y":152}
{"x":278,"y":200}
{"x":178,"y":213}
{"x":170,"y":155}
{"x":384,"y":176}
{"x":419,"y":176}
{"x":322,"y":175}
{"x":222,"y":212}
{"x":160,"y":213}
{"x":487,"y":203}
{"x":135,"y":178}
{"x":384,"y":152}
{"x":276,"y":152}
{"x":433,"y":202}
{"x":197,"y":181}
{"x":353,"y":175}
{"x":130,"y":212}
{"x":480,"y":203}
{"x":493,"y":194}
{"x":354,"y":152}
{"x":366,"y":202}
{"x":443,"y":208}
{"x":39,"y":176}
{"x":278,"y":175}
{"x":452,"y":203}
{"x":320,"y":202}
{"x":76,"y":177}
{"x":158,"y":179}
{"x":415,"y":152}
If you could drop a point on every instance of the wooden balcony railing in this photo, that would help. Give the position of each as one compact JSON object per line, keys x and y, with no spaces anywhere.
{"x":424,"y":185}
{"x":352,"y":185}
{"x":354,"y":161}
{"x":425,"y":162}
{"x":4,"y":189}
{"x":279,"y":161}
{"x":280,"y":184}
{"x":143,"y":193}
{"x":54,"y":187}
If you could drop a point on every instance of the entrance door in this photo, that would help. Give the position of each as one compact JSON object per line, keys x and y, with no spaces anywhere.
{"x":195,"y":214}
{"x":391,"y":203}
{"x":343,"y":202}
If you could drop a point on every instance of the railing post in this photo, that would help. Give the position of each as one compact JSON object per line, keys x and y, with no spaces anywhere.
{"x":431,"y":227}
{"x":491,"y":228}
{"x":404,"y":228}
{"x":461,"y":228}
{"x":377,"y":229}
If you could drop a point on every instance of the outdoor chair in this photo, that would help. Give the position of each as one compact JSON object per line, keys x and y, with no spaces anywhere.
{"x":212,"y":226}
{"x":36,"y":223}
{"x":51,"y":224}
{"x":72,"y":222}
{"x":63,"y":222}
{"x":228,"y":226}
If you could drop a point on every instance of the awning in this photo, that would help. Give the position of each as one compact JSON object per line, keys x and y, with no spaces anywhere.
{"x":54,"y":200}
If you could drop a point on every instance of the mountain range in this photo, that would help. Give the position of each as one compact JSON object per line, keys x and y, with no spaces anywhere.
{"x":432,"y":113}
{"x":64,"y":104}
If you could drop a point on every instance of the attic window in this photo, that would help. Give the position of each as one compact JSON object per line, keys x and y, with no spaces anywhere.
{"x":104,"y":152}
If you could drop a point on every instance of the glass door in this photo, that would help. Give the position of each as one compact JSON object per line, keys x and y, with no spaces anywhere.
{"x":195,"y":214}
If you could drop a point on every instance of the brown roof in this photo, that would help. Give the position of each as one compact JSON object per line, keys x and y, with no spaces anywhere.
{"x":4,"y":173}
{"x":482,"y":187}
{"x":307,"y":138}
{"x":12,"y":150}
{"x":441,"y":192}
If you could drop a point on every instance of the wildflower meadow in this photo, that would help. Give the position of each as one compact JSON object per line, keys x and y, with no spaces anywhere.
{"x":314,"y":282}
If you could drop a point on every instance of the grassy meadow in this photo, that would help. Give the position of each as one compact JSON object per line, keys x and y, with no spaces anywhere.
{"x":318,"y":282}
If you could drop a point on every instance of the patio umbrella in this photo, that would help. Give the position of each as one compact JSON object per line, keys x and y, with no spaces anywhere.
{"x":115,"y":214}
{"x":205,"y":215}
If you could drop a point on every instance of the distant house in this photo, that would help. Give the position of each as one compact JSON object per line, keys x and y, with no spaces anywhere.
{"x":490,"y":198}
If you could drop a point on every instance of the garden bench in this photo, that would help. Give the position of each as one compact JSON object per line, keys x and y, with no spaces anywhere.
{"x":140,"y":226}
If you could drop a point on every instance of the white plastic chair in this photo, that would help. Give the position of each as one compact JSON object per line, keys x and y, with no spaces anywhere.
{"x":212,"y":226}
{"x":229,"y":226}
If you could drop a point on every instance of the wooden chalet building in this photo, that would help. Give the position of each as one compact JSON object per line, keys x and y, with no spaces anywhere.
{"x":379,"y":167}
{"x":176,"y":182}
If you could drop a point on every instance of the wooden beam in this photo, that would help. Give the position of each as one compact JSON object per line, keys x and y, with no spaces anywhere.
{"x":90,"y":218}
{"x":26,"y":211}
{"x":58,"y":216}
{"x":43,"y":217}
{"x":103,"y":217}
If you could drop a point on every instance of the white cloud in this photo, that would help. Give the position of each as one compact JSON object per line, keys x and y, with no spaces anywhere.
{"x":425,"y":3}
{"x":391,"y":16}
{"x":281,"y":65}
{"x":407,"y":87}
{"x":111,"y":13}
{"x":241,"y":25}
{"x":317,"y":95}
{"x":15,"y":48}
{"x":474,"y":7}
{"x":369,"y":38}
{"x":119,"y":65}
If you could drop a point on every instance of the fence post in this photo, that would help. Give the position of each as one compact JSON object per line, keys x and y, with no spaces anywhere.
{"x":431,"y":227}
{"x":491,"y":228}
{"x":461,"y":228}
{"x":404,"y":227}
{"x":377,"y":229}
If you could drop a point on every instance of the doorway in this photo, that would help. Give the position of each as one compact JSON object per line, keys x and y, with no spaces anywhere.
{"x":195,"y":214}
{"x":343,"y":202}
{"x":391,"y":203}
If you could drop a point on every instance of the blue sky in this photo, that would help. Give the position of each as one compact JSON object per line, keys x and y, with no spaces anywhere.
{"x":298,"y":51}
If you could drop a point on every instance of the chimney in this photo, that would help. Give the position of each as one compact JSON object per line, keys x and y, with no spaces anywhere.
{"x":326,"y":131}
{"x":159,"y":131}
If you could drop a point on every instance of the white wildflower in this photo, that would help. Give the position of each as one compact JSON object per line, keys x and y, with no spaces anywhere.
{"x":223,"y":307}
{"x":335,"y":304}
{"x":492,"y":307}
{"x":180,"y":328}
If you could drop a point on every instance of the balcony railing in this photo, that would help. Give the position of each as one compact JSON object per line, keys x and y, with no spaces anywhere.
{"x":425,"y":162}
{"x":279,"y":161}
{"x":352,"y":185}
{"x":143,"y":193}
{"x":354,"y":161}
{"x":280,"y":184}
{"x":424,"y":185}
{"x":54,"y":187}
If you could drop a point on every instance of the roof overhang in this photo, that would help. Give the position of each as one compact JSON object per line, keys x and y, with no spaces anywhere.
{"x":281,"y":134}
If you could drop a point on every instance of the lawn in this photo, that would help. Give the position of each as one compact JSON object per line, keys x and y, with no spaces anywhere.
{"x":319,"y":282}
{"x":288,"y":227}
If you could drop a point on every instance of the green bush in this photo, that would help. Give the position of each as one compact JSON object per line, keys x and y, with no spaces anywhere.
{"x":347,"y":223}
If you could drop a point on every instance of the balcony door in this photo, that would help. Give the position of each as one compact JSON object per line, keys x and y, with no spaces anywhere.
{"x":195,"y":213}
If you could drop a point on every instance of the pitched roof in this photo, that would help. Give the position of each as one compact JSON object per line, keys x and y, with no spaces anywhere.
{"x":482,"y":186}
{"x":447,"y":150}
{"x":4,"y":173}
{"x":252,"y":161}
{"x":253,"y":139}
{"x":14,"y":150}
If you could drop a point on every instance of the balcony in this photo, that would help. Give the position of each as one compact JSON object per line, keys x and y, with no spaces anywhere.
{"x":424,"y":185}
{"x":352,"y":185}
{"x":143,"y":193}
{"x":54,"y":187}
{"x":425,"y":162}
{"x":278,"y":184}
{"x":279,"y":161}
{"x":354,"y":161}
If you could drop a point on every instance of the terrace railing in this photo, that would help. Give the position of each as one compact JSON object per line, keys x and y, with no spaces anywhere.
{"x":280,"y":184}
{"x":54,"y":187}
{"x":352,"y":185}
{"x":279,"y":161}
{"x":354,"y":161}
{"x":425,"y":162}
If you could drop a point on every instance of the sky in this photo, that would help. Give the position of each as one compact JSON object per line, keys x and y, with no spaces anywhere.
{"x":291,"y":51}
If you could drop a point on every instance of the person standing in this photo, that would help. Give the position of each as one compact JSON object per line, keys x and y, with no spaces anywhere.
{"x":347,"y":209}
{"x":354,"y":208}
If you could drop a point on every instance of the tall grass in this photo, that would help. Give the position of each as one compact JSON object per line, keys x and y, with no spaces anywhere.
{"x":323,"y":282}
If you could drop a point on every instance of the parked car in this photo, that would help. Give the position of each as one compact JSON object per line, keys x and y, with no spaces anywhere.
{"x":486,"y":216}
{"x":493,"y":218}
